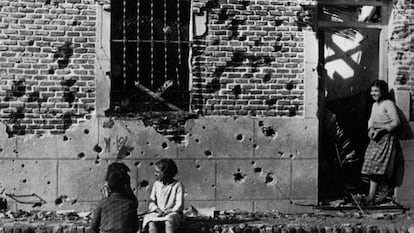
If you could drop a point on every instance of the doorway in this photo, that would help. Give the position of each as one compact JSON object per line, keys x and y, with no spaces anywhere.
{"x":350,"y":59}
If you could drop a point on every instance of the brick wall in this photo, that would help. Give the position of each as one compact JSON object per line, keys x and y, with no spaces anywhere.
{"x":47,"y":64}
{"x":402,"y":47}
{"x":250,"y":61}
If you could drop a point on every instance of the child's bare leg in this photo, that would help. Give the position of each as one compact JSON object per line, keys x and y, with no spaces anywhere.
{"x":372,"y":188}
{"x":169,"y":228}
{"x":152,"y":227}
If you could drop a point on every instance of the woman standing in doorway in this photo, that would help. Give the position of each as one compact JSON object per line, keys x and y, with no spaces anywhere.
{"x":383,"y":163}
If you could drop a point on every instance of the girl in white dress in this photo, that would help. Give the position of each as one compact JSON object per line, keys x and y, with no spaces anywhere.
{"x":166,"y":200}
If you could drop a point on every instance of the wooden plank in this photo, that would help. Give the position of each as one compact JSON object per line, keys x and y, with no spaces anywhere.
{"x":351,"y":2}
{"x":330,"y":24}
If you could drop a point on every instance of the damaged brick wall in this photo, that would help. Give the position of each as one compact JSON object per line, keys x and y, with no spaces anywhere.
{"x":250,"y":59}
{"x":402,"y":47}
{"x":47,"y":64}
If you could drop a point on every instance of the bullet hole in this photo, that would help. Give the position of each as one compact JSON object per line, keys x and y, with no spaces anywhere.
{"x":142,"y":152}
{"x":271,"y":101}
{"x":292,"y":111}
{"x":289,"y":86}
{"x":230,"y":197}
{"x":239,"y":177}
{"x":238,"y":170}
{"x":205,"y":180}
{"x":164,"y":146}
{"x":197,"y":140}
{"x":237,"y":91}
{"x":278,"y":22}
{"x":280,"y":153}
{"x":261,"y":123}
{"x":67,"y":120}
{"x":239,"y":137}
{"x":81,"y":155}
{"x":124,"y":151}
{"x":291,"y":156}
{"x":24,"y":181}
{"x":108,"y":124}
{"x":257,"y":170}
{"x":1,"y":150}
{"x":86,"y":131}
{"x":253,"y":162}
{"x":151,"y":164}
{"x":269,"y":178}
{"x":203,"y":127}
{"x":208,"y":153}
{"x":198,"y":166}
{"x":97,"y":160}
{"x":267,"y":77}
{"x":74,"y":201}
{"x":255,"y":146}
{"x":63,"y":54}
{"x":268,"y":131}
{"x":97,"y":148}
{"x":48,"y":182}
{"x":51,"y":71}
{"x":38,"y":204}
{"x":213,"y":186}
{"x":65,"y":138}
{"x":60,"y":200}
{"x":137,"y":164}
{"x":22,"y":165}
{"x":277,"y":48}
{"x":143,"y":184}
{"x":148,"y":143}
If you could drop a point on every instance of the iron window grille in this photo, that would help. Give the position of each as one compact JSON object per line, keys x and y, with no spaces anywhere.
{"x":149,"y":56}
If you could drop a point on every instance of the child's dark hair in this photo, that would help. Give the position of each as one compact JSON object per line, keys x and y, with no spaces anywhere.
{"x":116,"y":166}
{"x":117,"y":181}
{"x":383,"y":88}
{"x":168,"y":167}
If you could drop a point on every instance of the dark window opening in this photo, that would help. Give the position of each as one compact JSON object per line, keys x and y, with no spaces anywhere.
{"x":149,"y":56}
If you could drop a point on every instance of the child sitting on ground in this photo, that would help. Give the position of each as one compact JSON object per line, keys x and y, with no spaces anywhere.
{"x":166,"y":200}
{"x":118,"y":166}
{"x":116,"y":213}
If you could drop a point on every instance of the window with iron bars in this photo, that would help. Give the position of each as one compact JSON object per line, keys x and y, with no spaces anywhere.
{"x":149,"y":55}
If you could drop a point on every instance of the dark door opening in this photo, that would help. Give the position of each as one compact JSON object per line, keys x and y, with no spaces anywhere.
{"x":350,"y":59}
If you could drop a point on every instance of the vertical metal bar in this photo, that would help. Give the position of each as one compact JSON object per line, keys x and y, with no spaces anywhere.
{"x":165,"y":42}
{"x":179,"y":42}
{"x":124,"y":41}
{"x":190,"y":43}
{"x":152,"y":45}
{"x":138,"y":41}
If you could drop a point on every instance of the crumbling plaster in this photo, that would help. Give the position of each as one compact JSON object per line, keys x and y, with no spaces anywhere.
{"x":250,"y":163}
